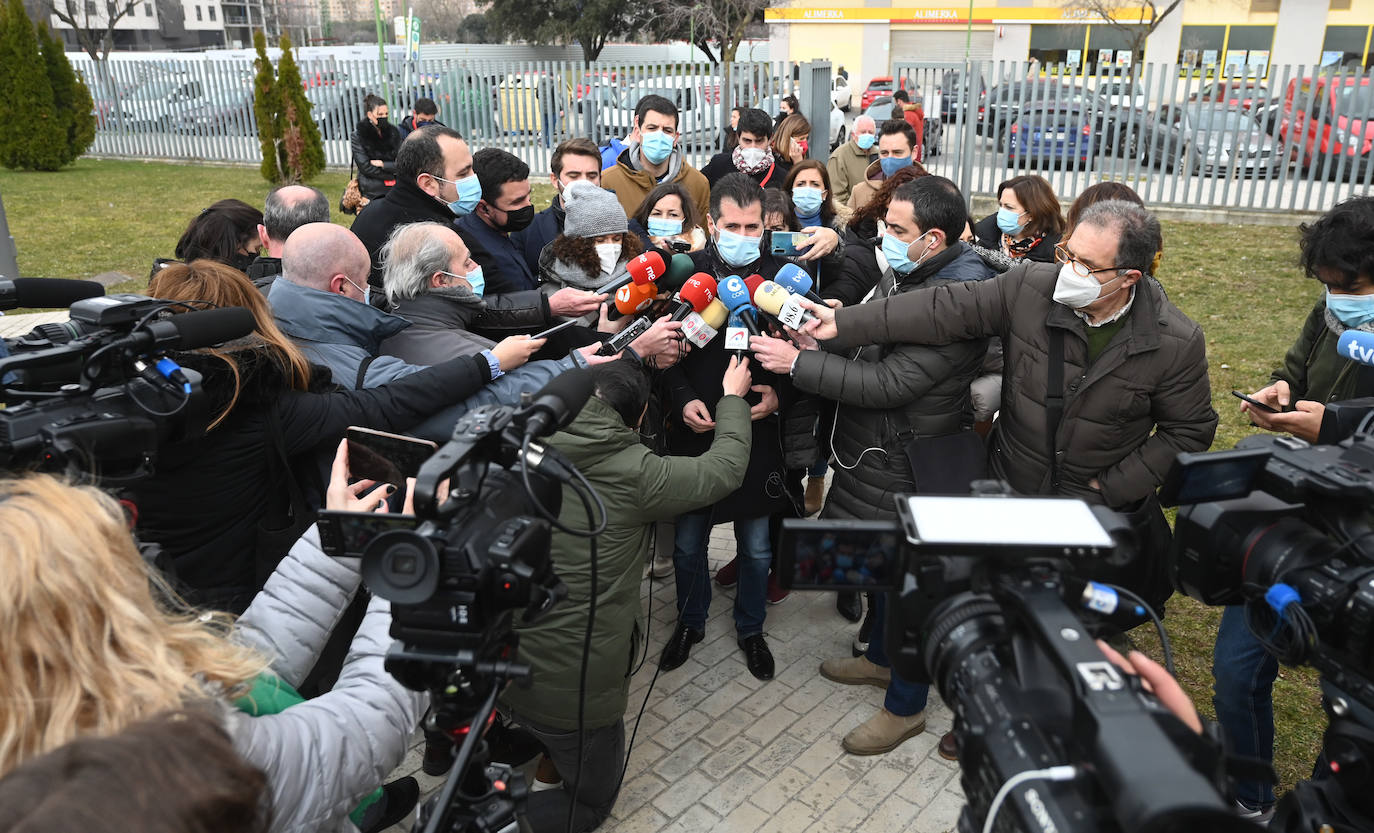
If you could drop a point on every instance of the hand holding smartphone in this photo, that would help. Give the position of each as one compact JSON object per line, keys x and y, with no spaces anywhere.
{"x":1255,"y":403}
{"x":386,"y":458}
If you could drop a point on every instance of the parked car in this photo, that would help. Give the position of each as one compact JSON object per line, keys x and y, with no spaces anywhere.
{"x":880,"y":86}
{"x":880,"y":109}
{"x":1215,"y":140}
{"x":697,"y":99}
{"x":1118,"y":93}
{"x":1234,"y":94}
{"x":224,"y":111}
{"x":1327,"y":118}
{"x":155,"y":104}
{"x":1050,"y":132}
{"x":840,"y":94}
{"x":838,"y":131}
{"x":1003,"y":102}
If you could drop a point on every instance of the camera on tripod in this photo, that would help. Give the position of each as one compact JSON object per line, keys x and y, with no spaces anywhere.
{"x":96,"y":396}
{"x":985,"y":599}
{"x":1283,"y":528}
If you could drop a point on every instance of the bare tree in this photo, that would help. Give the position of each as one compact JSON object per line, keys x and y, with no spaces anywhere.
{"x":1136,"y":19}
{"x":93,"y":22}
{"x":443,"y":18}
{"x":723,"y":22}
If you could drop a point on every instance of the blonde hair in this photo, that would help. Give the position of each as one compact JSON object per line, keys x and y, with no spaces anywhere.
{"x":89,"y":647}
{"x":224,"y":286}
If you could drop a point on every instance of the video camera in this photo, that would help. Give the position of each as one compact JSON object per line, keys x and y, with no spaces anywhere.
{"x":1283,"y":528}
{"x":980,"y":593}
{"x":96,"y":396}
{"x":457,"y":571}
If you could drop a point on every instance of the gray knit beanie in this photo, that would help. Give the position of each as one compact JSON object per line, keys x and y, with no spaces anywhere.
{"x":592,"y":211}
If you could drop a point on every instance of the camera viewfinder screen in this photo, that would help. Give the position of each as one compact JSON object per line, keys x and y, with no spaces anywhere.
{"x":831,"y":559}
{"x":1006,"y":522}
{"x":1221,"y":480}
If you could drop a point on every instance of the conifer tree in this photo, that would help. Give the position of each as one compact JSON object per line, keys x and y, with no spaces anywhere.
{"x":31,"y":134}
{"x":71,"y":97}
{"x":266,"y":106}
{"x":302,"y":149}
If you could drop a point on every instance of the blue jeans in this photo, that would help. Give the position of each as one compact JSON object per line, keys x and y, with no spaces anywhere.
{"x":691,"y":571}
{"x":904,"y":698}
{"x":1243,"y":674}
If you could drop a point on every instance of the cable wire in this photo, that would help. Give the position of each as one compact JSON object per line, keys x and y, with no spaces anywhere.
{"x":1165,"y":646}
{"x":586,"y":646}
{"x":1054,"y":773}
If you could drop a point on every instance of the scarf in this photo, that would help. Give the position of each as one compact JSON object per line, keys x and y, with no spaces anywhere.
{"x":1019,"y":248}
{"x":460,"y":295}
{"x":808,"y":222}
{"x":738,"y":159}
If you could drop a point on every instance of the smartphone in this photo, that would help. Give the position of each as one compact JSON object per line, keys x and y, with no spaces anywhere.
{"x":1255,"y":403}
{"x":348,"y":533}
{"x":784,"y":243}
{"x":550,"y":331}
{"x":386,"y":458}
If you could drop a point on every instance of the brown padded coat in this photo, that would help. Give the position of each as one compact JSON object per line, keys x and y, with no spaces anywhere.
{"x":1126,"y":416}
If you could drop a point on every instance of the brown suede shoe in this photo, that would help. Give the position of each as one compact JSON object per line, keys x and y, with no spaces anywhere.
{"x":815,"y":494}
{"x":856,"y":671}
{"x":949,"y":747}
{"x":883,"y":732}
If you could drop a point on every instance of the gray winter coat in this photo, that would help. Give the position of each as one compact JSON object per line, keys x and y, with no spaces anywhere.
{"x":1127,"y":415}
{"x":324,"y":755}
{"x":890,"y":393}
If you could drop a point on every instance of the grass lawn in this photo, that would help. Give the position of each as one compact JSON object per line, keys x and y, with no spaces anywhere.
{"x":1241,"y":283}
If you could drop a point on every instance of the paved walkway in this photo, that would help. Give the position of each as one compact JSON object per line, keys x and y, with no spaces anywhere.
{"x":721,"y":751}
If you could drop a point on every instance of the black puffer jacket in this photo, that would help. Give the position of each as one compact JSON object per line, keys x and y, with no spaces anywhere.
{"x":370,"y":142}
{"x":888,"y":393}
{"x":860,"y":271}
{"x":209,"y":494}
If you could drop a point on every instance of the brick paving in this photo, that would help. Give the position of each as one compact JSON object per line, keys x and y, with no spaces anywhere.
{"x":719,"y":751}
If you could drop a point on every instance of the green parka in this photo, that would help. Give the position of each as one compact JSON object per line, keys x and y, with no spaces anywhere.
{"x":1312,"y":367}
{"x":638,"y":488}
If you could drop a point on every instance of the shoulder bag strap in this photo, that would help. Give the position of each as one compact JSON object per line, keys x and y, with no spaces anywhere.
{"x":362,"y":372}
{"x":1054,"y":402}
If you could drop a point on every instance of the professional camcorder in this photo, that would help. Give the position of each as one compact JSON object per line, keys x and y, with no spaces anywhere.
{"x":981,"y":599}
{"x":1283,"y":528}
{"x":96,"y":396}
{"x":475,"y":552}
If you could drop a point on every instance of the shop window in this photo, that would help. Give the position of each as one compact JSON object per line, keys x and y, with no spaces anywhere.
{"x":1199,"y":48}
{"x":1058,"y":48}
{"x":1343,"y":46}
{"x":1112,"y":49}
{"x":1247,"y":50}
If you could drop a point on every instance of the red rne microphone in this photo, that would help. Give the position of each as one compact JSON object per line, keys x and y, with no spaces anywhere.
{"x":632,"y":298}
{"x":646,"y":268}
{"x":696,"y":294}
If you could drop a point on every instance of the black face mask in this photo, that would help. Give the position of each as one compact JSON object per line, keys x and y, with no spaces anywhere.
{"x":517,"y":220}
{"x":383,"y":122}
{"x":241,"y":261}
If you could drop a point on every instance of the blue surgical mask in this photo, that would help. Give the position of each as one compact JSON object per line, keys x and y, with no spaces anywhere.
{"x":737,"y":249}
{"x":895,"y":250}
{"x":893,"y":164}
{"x":469,"y":194}
{"x":1009,"y":221}
{"x":366,"y":290}
{"x":1351,"y":310}
{"x":865,"y":141}
{"x":656,"y":146}
{"x":664,"y":227}
{"x":807,"y":200}
{"x":477,"y":281}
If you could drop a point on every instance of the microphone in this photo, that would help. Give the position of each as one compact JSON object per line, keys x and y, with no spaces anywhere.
{"x":680,"y":268}
{"x":645,"y":268}
{"x":556,"y":403}
{"x":736,"y":297}
{"x":695,"y":295}
{"x":632,"y":298}
{"x":780,"y":304}
{"x":700,"y":327}
{"x":45,"y":293}
{"x":191,"y":330}
{"x":795,"y":280}
{"x":1357,"y":346}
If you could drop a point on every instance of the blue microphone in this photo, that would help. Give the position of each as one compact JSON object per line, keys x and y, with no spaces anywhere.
{"x":735,"y":295}
{"x":794,"y":279}
{"x":1356,"y":346}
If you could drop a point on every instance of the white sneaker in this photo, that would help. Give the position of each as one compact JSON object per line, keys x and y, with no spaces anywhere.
{"x":662,"y":565}
{"x":1261,"y":817}
{"x":540,"y":786}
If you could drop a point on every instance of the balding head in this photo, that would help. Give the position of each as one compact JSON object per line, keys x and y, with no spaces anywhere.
{"x":419,"y":257}
{"x":287,"y":209}
{"x":326,"y":257}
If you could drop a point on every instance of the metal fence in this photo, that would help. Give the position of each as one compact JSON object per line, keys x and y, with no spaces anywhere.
{"x":1296,"y":139}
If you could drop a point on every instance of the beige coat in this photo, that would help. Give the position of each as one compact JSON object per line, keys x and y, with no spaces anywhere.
{"x":846,"y":167}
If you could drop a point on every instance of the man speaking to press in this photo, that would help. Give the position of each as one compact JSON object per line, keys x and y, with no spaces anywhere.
{"x":1106,"y":379}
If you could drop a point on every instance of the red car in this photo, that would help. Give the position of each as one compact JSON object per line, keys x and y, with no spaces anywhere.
{"x":880,"y":86}
{"x":1330,"y":117}
{"x":1234,"y":94}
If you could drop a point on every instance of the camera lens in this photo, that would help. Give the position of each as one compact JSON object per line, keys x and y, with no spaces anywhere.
{"x":404,"y":564}
{"x":401,"y":566}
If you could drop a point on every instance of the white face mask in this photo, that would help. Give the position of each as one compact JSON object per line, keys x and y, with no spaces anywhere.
{"x":1074,"y":290}
{"x":609,"y":253}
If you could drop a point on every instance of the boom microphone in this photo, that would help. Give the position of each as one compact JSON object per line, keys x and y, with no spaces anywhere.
{"x":782,"y":305}
{"x":557,"y":403}
{"x":645,"y":268}
{"x":695,"y":295}
{"x":191,"y":330}
{"x":795,"y":280}
{"x":1357,"y":346}
{"x":45,"y":293}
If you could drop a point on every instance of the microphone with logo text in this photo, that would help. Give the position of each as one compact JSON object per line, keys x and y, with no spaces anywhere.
{"x":794,"y":279}
{"x":700,"y":327}
{"x":694,"y":296}
{"x":45,"y":293}
{"x":631,"y":299}
{"x":782,"y":305}
{"x":645,"y":268}
{"x":738,"y":300}
{"x":1356,"y":346}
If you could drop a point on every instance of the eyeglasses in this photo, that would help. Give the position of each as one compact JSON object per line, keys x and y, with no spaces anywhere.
{"x":1063,"y":255}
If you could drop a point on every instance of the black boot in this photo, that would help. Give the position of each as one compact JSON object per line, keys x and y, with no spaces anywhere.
{"x":847,"y":603}
{"x":397,"y":801}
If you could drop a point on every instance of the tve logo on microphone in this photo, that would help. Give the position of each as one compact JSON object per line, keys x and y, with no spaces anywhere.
{"x":1356,"y":345}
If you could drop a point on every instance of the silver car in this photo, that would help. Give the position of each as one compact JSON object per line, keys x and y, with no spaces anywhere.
{"x":1214,"y":141}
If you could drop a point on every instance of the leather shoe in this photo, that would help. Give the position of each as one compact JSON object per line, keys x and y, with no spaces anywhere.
{"x":856,"y":671}
{"x":949,"y":747}
{"x":883,"y":732}
{"x":847,"y":603}
{"x":757,"y":656}
{"x":679,"y":647}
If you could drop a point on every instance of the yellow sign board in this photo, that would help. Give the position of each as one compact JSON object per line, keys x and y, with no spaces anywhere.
{"x":896,"y":14}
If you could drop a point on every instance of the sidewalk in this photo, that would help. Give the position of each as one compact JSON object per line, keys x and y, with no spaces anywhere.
{"x":721,"y":751}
